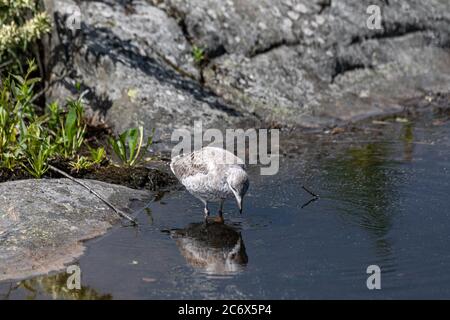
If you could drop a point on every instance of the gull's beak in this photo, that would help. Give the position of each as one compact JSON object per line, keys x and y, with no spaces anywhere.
{"x":239,"y":203}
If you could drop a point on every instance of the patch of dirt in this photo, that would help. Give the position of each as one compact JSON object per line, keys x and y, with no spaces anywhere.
{"x":153,"y":179}
{"x":155,"y":176}
{"x":11,"y":175}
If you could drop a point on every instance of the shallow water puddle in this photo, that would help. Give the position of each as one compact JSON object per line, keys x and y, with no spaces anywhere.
{"x":384,"y":203}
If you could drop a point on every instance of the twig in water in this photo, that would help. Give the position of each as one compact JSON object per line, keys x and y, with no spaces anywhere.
{"x":310,"y":192}
{"x":109,"y":204}
{"x":309,"y":202}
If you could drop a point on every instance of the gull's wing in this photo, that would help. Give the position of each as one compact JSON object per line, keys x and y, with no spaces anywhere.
{"x":203,"y":161}
{"x":191,"y":164}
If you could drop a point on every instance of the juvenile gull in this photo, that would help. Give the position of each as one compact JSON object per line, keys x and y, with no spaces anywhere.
{"x":212,"y":174}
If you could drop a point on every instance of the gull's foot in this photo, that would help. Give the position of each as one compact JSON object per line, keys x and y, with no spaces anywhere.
{"x":206,"y":215}
{"x":218,"y":219}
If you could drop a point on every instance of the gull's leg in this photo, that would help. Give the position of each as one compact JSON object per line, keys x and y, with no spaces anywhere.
{"x":221,"y":207}
{"x":206,"y":210}
{"x":220,"y":218}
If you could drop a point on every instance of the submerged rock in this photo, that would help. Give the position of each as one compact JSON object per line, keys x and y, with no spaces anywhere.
{"x":43,"y":222}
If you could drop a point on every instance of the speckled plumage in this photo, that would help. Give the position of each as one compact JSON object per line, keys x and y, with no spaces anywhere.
{"x":207,"y":174}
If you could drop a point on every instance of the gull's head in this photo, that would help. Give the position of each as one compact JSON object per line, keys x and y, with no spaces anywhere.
{"x":237,"y":180}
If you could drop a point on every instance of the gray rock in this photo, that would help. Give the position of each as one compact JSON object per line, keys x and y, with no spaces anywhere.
{"x":316,"y":62}
{"x":43,"y":222}
{"x":337,"y":69}
{"x":137,"y":65}
{"x":242,"y":27}
{"x":296,"y":63}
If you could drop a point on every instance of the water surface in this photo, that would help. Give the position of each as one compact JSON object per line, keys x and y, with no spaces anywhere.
{"x":384,"y":200}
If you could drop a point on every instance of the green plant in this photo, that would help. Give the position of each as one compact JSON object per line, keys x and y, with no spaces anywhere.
{"x":16,"y":111}
{"x":17,"y":92}
{"x":8,"y":133}
{"x":29,"y":139}
{"x":22,"y":23}
{"x":129,"y":144}
{"x":37,"y":148}
{"x":71,"y":135}
{"x":37,"y":160}
{"x":198,"y":54}
{"x":97,"y":154}
{"x":81,"y":163}
{"x":54,"y":114}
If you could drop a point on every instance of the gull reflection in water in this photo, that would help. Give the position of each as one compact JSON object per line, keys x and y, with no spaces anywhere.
{"x":213,"y":248}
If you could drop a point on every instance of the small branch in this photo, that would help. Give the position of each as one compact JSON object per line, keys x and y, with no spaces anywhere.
{"x":310,"y":192}
{"x":309,"y":202}
{"x":109,"y":204}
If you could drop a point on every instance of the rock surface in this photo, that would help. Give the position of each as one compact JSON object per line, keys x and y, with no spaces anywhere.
{"x":289,"y":62}
{"x":325,"y":66}
{"x":43,"y":222}
{"x":137,"y":65}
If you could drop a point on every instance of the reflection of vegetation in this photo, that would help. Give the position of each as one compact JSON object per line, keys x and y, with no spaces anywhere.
{"x":364,"y":178}
{"x":408,"y":138}
{"x":148,"y":211}
{"x":56,"y":287}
